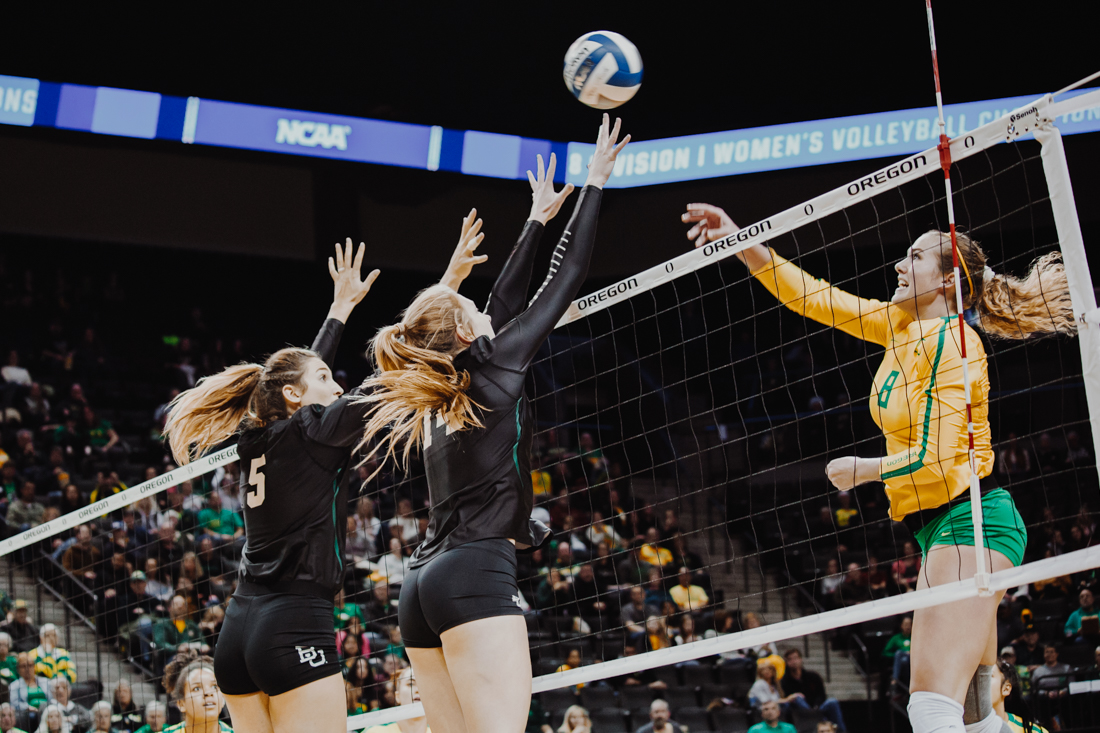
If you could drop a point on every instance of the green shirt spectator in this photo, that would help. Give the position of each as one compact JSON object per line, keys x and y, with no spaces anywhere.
{"x":8,"y":671}
{"x":343,"y":613}
{"x":771,"y":723}
{"x":178,"y":630}
{"x":1087,"y":609}
{"x":899,"y":642}
{"x":218,"y":521}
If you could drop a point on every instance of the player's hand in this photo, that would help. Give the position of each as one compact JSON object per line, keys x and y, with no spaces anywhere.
{"x":607,"y":149}
{"x":463,"y":258}
{"x":711,"y":223}
{"x":850,"y":471}
{"x":545,"y":203}
{"x":348,"y":289}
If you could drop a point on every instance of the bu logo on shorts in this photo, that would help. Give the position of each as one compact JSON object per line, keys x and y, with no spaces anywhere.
{"x":315,"y":657}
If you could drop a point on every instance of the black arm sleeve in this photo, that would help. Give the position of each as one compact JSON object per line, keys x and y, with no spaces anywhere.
{"x":339,"y":424}
{"x":510,"y":289}
{"x":516,"y":345}
{"x":328,"y":338}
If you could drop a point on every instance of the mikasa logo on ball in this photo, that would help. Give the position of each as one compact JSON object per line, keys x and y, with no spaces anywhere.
{"x":312,"y":134}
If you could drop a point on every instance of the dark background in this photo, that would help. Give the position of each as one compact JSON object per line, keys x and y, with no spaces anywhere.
{"x":477,"y":66}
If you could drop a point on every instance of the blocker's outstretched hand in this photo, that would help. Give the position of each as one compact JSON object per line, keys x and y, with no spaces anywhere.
{"x":711,"y":223}
{"x":348,"y":289}
{"x":464,"y":258}
{"x":545,"y":202}
{"x":607,"y":149}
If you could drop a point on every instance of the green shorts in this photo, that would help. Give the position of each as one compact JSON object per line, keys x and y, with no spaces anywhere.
{"x":1002,"y":526}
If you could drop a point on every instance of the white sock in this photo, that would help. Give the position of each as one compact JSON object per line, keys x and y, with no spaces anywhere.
{"x":992,"y":724}
{"x":930,"y":712}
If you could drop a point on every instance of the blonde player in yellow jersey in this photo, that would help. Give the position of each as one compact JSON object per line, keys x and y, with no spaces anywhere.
{"x":918,"y":401}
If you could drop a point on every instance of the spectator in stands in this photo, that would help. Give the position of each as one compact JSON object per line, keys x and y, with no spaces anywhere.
{"x":213,"y":618}
{"x":846,"y":515}
{"x":600,"y":531}
{"x":24,"y":511}
{"x":106,"y":484}
{"x":404,"y":524}
{"x":156,"y":715}
{"x":811,"y":687}
{"x":655,"y":593}
{"x":167,"y":551}
{"x":154,"y":586}
{"x":825,"y":726}
{"x":688,"y":597}
{"x":343,"y":612}
{"x":382,"y":607}
{"x":102,"y":438}
{"x":767,"y":651}
{"x":829,"y":586}
{"x":588,"y":593}
{"x":896,"y":652}
{"x":1050,"y":678}
{"x":657,"y":633}
{"x":907,"y":568}
{"x":1076,"y":453}
{"x":101,"y":717}
{"x":30,"y":691}
{"x":125,"y":714}
{"x":660,"y":718}
{"x":635,"y":613}
{"x":682,"y":556}
{"x":24,"y":634}
{"x":767,"y":688}
{"x":1014,"y":460}
{"x":222,"y":525}
{"x":1029,"y":652}
{"x":603,"y":567}
{"x":572,"y":661}
{"x":363,"y":531}
{"x":687,"y":633}
{"x":1009,"y":625}
{"x":50,"y":660}
{"x":555,"y":592}
{"x":769,"y":711}
{"x":646,"y":677}
{"x":77,"y":716}
{"x":177,"y":631}
{"x":1085,"y":614}
{"x":394,"y":565}
{"x":651,"y":553}
{"x":36,"y":407}
{"x":564,"y":560}
{"x":7,"y":719}
{"x":71,"y":498}
{"x":855,"y":588}
{"x":53,"y":721}
{"x":576,"y":720}
{"x":83,"y":557}
{"x":221,"y":573}
{"x":192,"y":580}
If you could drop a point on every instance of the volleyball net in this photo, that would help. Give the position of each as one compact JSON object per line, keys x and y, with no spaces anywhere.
{"x":684,"y":421}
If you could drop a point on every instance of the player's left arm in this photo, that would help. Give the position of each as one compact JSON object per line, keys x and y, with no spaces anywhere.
{"x":938,"y":420}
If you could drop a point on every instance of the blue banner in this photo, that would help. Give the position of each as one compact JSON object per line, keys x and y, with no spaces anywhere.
{"x":139,"y":114}
{"x":798,"y":144}
{"x":18,"y":100}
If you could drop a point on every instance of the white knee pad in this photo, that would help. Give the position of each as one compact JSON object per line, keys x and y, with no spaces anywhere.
{"x":979,"y":696}
{"x":930,"y":712}
{"x":992,"y":724}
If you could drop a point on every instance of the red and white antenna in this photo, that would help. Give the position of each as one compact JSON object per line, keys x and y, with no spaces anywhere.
{"x":981,"y":576}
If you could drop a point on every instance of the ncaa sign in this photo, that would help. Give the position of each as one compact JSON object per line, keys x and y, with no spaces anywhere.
{"x":312,"y":134}
{"x":18,"y":100}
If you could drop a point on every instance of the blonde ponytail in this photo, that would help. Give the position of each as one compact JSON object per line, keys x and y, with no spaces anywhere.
{"x":216,"y":407}
{"x":1009,"y":307}
{"x":416,"y":375}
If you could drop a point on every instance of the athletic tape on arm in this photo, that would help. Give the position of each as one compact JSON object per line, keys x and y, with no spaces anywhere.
{"x":204,"y":465}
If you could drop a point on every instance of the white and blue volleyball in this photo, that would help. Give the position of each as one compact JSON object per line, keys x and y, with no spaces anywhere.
{"x":603,"y":69}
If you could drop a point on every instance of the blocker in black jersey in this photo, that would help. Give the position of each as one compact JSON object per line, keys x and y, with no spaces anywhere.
{"x":295,"y":517}
{"x":479,"y":479}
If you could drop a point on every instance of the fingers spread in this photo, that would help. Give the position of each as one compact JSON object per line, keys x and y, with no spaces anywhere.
{"x":621,"y":145}
{"x":550,"y":170}
{"x":359,"y":256}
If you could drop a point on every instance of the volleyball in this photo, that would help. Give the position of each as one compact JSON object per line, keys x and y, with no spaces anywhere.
{"x":602,"y":69}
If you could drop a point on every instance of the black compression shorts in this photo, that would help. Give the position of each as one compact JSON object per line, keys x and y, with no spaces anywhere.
{"x":274,"y":642}
{"x":472,"y":581}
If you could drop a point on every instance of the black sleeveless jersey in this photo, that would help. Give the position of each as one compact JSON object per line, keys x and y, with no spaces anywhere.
{"x":479,"y":479}
{"x":295,"y":511}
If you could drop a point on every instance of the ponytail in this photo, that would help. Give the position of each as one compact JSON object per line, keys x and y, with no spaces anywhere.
{"x":1014,"y":308}
{"x":215,"y":408}
{"x":416,"y":375}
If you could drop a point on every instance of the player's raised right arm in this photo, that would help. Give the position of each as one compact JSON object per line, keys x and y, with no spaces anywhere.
{"x":794,"y":287}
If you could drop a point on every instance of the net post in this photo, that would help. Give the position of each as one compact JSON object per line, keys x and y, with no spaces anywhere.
{"x":981,"y":574}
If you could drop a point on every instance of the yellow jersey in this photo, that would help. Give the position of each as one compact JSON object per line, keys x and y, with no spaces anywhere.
{"x":1016,"y":724}
{"x":917,"y":398}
